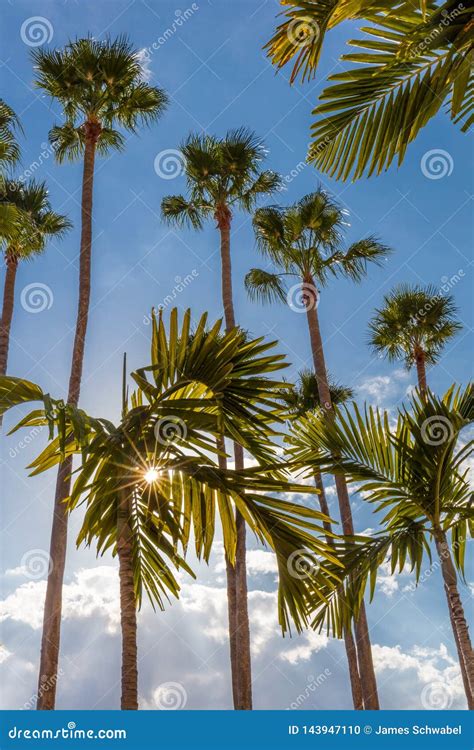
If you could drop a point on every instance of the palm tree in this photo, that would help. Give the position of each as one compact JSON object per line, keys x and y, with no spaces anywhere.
{"x":9,"y":157}
{"x":416,"y":473}
{"x":100,"y":88}
{"x":414,"y":325}
{"x":301,"y":400}
{"x":29,"y":240}
{"x":304,"y":242}
{"x":223,"y":175}
{"x":150,"y":484}
{"x":416,"y":57}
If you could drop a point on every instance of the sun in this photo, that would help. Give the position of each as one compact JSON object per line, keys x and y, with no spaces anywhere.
{"x":152,"y":475}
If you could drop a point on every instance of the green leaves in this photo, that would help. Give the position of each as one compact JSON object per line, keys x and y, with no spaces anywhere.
{"x":99,"y":82}
{"x":38,"y":222}
{"x":372,"y":113}
{"x":300,"y":36}
{"x":413,"y":58}
{"x":414,"y":319}
{"x":264,"y":286}
{"x":305,"y":241}
{"x":203,"y":385}
{"x":414,"y":473}
{"x":15,"y":391}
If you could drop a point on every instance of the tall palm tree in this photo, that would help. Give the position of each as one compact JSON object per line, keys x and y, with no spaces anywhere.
{"x":149,"y":486}
{"x":9,"y":157}
{"x":222,"y":175}
{"x":304,"y":242}
{"x":29,"y":240}
{"x":301,"y":400}
{"x":414,"y":58}
{"x":414,"y":325}
{"x":100,"y":89}
{"x":416,"y":474}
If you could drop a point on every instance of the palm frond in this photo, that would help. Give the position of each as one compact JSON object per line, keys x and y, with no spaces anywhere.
{"x":370,"y":114}
{"x":264,"y":286}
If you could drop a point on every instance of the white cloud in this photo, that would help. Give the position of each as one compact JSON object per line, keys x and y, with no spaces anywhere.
{"x":144,"y":58}
{"x":382,"y":390}
{"x":387,"y":583}
{"x":93,"y":591}
{"x":4,"y":653}
{"x":438,"y":674}
{"x":310,"y":643}
{"x":260,"y":561}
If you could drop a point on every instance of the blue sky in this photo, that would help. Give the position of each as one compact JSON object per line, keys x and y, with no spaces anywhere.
{"x":208,"y":58}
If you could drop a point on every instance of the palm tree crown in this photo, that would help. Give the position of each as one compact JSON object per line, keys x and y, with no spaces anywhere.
{"x":100,"y":87}
{"x":416,"y":474}
{"x":305,"y":241}
{"x":220,"y":173}
{"x":304,"y":397}
{"x":32,"y":200}
{"x":10,"y":217}
{"x":414,"y":319}
{"x":9,"y":149}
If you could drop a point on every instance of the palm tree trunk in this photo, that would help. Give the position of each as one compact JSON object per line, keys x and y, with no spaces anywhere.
{"x":53,"y":604}
{"x":364,"y":651}
{"x":420,"y":361}
{"x":351,"y":651}
{"x":239,"y":623}
{"x":128,"y":606}
{"x":11,"y":261}
{"x":231,"y":593}
{"x":457,"y":616}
